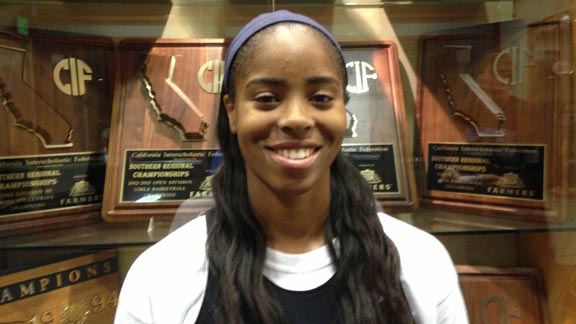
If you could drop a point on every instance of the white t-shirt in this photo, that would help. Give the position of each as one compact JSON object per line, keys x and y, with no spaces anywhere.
{"x":166,"y":283}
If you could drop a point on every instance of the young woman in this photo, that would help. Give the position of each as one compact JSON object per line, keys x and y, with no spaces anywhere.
{"x":294,"y":236}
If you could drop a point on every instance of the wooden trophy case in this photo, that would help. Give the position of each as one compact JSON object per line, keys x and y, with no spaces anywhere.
{"x":496,"y":119}
{"x":55,"y":91}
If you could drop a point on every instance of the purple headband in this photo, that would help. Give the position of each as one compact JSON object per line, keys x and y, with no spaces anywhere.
{"x":260,"y":22}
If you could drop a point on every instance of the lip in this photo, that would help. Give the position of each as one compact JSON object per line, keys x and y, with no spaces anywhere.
{"x":290,"y":163}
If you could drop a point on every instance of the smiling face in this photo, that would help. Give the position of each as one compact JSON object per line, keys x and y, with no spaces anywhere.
{"x":288,"y":111}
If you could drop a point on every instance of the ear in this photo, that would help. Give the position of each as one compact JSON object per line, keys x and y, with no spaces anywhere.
{"x":229,"y":106}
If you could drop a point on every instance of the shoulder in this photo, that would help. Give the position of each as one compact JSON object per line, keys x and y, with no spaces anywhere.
{"x":182,"y":248}
{"x":413,"y":244}
{"x":422,"y":255}
{"x":428,"y":275}
{"x":154,"y":283}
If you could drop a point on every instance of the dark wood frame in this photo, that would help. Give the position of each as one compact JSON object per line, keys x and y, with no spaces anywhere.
{"x":151,"y":130}
{"x":26,"y":131}
{"x":435,"y":125}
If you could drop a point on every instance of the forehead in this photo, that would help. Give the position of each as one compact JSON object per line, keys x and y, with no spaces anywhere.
{"x":295,"y":30}
{"x":292,"y":34}
{"x":293,"y":43}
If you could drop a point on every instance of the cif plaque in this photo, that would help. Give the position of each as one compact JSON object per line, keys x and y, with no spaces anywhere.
{"x":163,"y":145}
{"x":55,"y":92}
{"x":376,"y":138}
{"x":78,"y":290}
{"x":494,"y":119}
{"x":502,"y":295}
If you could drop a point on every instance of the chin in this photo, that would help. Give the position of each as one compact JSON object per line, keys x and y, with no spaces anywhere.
{"x":298,"y":188}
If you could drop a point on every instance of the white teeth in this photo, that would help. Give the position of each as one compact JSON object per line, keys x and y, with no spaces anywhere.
{"x":296,"y":154}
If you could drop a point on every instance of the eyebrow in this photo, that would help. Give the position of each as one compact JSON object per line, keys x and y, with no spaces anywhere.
{"x":265,"y":81}
{"x":322,"y":79}
{"x":280,"y":82}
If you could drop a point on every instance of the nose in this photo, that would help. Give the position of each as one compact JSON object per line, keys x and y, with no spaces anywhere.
{"x":296,"y":117}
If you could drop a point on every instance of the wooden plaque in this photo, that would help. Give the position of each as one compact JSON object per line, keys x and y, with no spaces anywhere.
{"x":376,"y":138}
{"x":502,"y":295}
{"x":495,"y":119}
{"x":55,"y":93}
{"x":163,"y":148}
{"x":163,"y":144}
{"x":79,"y":290}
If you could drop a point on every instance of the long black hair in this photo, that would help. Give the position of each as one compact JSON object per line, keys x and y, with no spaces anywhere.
{"x":366,"y":285}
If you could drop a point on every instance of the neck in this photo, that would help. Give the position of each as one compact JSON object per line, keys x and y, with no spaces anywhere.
{"x":293,"y":224}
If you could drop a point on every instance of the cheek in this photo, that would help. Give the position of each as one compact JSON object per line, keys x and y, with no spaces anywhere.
{"x":253,"y":127}
{"x":336,"y":124}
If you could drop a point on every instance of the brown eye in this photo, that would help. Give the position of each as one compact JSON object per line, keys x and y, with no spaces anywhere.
{"x":321,"y":99}
{"x":266,"y":99}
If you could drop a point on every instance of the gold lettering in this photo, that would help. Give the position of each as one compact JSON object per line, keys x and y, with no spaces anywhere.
{"x":27,"y":290}
{"x":461,"y":167}
{"x":452,"y":159}
{"x":445,"y":148}
{"x":42,"y":174}
{"x":98,"y":303}
{"x":44,"y":284}
{"x":80,"y":200}
{"x":12,"y":176}
{"x":145,"y":166}
{"x":512,"y":192}
{"x":474,"y":160}
{"x":59,"y":280}
{"x":113,"y":299}
{"x":169,"y":188}
{"x":47,"y":318}
{"x":74,"y":276}
{"x":107,"y":267}
{"x":6,"y":296}
{"x":92,"y":271}
{"x":28,"y":184}
{"x":161,"y":174}
{"x":145,"y":155}
{"x":200,"y":194}
{"x":172,"y":166}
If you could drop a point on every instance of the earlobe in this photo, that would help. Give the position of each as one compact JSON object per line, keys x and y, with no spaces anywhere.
{"x":229,"y":106}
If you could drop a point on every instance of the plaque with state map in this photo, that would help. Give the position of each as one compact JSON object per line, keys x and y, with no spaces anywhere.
{"x":56,"y":98}
{"x":163,"y":146}
{"x":495,"y":119}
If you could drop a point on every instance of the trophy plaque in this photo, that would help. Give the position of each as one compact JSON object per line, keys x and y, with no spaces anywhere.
{"x":495,"y":119}
{"x":376,"y":137}
{"x":163,"y":147}
{"x":502,"y":295}
{"x":80,"y":290}
{"x":55,"y":93}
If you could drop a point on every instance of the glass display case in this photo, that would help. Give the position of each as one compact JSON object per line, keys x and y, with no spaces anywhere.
{"x":108,"y":105}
